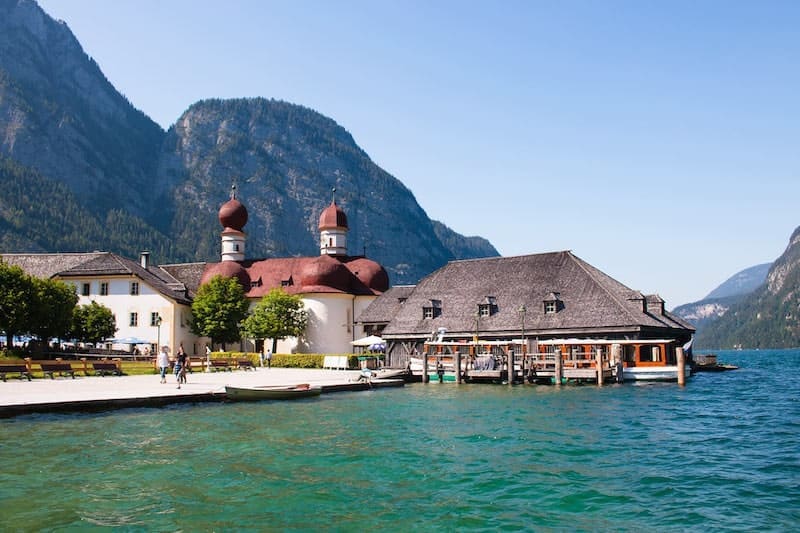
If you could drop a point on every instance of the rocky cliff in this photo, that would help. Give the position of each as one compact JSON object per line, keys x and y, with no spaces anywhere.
{"x":63,"y":124}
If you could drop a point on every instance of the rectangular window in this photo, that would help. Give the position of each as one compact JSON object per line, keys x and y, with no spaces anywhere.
{"x":103,"y":288}
{"x":154,"y":319}
{"x":85,"y":289}
{"x":549,"y":307}
{"x":134,"y":288}
{"x":134,"y":320}
{"x":485,"y":310}
{"x":427,"y":312}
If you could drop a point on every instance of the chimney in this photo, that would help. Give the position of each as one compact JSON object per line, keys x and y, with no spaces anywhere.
{"x":144,"y":259}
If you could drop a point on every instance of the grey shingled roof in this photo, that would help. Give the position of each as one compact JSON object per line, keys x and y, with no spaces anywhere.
{"x":591,"y":302}
{"x":382,"y":309}
{"x":99,"y":264}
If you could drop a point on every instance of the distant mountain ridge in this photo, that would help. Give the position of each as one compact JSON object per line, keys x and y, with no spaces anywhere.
{"x":133,"y":186}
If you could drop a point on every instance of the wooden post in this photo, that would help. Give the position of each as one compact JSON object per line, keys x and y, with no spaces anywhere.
{"x":599,"y":361}
{"x":616,"y":355}
{"x":681,"y":366}
{"x":425,"y":378}
{"x":559,"y":368}
{"x":510,"y":360}
{"x":458,"y":366}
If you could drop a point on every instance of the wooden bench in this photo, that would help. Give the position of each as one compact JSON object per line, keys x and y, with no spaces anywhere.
{"x":244,"y":364}
{"x":57,"y":367}
{"x":105,"y":368}
{"x":22,"y":370}
{"x":219,"y":365}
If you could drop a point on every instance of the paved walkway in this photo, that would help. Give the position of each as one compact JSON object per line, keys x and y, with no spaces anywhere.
{"x":46,"y":395}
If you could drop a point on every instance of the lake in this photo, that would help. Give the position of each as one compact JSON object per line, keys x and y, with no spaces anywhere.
{"x":722,"y":453}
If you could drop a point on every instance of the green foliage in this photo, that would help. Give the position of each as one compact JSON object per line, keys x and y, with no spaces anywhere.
{"x":93,"y":323}
{"x":53,"y":307}
{"x":16,"y":301}
{"x":277,"y":316}
{"x":218,"y":310}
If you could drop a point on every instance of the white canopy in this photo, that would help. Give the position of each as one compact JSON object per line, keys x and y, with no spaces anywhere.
{"x":367,"y":341}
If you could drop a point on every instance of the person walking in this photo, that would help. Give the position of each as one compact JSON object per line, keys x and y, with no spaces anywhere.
{"x":163,"y":363}
{"x":269,"y":357}
{"x":180,"y":365}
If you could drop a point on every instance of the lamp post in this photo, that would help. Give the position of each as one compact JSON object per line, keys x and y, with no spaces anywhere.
{"x":522,"y":310}
{"x":158,"y":330}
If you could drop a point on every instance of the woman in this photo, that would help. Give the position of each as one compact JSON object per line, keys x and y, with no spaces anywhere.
{"x":163,"y":363}
{"x":180,"y":366}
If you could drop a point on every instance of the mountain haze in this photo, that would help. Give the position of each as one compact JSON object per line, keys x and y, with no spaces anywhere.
{"x":127,"y":185}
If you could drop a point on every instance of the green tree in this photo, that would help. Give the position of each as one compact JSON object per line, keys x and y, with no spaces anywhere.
{"x":278,"y":315}
{"x":93,"y":323}
{"x":218,"y":309}
{"x":16,"y":299}
{"x":52,"y":310}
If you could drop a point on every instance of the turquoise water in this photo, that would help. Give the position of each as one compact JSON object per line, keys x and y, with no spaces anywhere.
{"x":723,"y":453}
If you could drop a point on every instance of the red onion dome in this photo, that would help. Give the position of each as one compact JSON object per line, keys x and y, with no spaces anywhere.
{"x":371,"y":274}
{"x":227,"y":269}
{"x":325,"y":271}
{"x":233,"y":214}
{"x":332,"y":217}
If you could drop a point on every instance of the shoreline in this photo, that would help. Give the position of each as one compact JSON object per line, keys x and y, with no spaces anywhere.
{"x":93,"y":393}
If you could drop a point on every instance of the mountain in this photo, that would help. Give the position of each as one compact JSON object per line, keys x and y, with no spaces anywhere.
{"x":91,"y":172}
{"x":733,"y":290}
{"x":768,"y":317}
{"x":741,"y":283}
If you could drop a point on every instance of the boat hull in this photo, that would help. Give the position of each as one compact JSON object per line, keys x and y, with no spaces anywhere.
{"x":653,"y":373}
{"x":247,"y":394}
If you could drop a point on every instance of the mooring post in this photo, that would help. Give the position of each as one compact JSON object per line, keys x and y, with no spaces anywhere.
{"x":559,"y":368}
{"x":681,"y":366}
{"x":599,"y":360}
{"x":458,"y":366}
{"x":510,"y":359}
{"x":425,"y":377}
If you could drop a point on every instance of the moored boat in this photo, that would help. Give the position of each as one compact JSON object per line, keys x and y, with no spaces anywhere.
{"x":271,"y":392}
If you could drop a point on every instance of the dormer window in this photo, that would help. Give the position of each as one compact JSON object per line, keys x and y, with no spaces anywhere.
{"x":287,"y":282}
{"x":487,"y":307}
{"x":433,"y":310}
{"x":552,"y":303}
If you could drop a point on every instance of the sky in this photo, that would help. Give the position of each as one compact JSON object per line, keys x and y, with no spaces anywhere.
{"x":657,"y":140}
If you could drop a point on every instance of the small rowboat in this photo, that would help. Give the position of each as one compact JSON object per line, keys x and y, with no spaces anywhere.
{"x":243,"y":394}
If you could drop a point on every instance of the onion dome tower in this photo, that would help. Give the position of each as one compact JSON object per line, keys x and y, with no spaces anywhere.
{"x":333,"y":230}
{"x":233,"y":217}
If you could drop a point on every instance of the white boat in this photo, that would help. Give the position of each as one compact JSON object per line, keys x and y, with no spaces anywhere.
{"x":271,"y":392}
{"x":653,"y":373}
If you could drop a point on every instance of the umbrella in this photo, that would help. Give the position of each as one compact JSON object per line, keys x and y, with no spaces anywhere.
{"x":367,"y":341}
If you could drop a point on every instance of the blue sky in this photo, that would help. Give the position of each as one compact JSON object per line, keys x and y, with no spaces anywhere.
{"x":657,"y":140}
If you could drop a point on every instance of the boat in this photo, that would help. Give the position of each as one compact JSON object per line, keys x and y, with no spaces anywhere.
{"x":708,"y":363}
{"x":241,"y":394}
{"x":391,"y":373}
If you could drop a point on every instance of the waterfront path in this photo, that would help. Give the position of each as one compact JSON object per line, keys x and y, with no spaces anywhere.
{"x":99,"y":393}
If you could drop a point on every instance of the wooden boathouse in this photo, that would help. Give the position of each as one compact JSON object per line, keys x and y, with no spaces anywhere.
{"x":548,"y":316}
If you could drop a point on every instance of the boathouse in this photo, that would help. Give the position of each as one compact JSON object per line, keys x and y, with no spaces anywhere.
{"x":530,"y":298}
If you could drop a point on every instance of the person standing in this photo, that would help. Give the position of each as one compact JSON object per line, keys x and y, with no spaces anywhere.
{"x":180,"y":365}
{"x":163,"y":363}
{"x":269,"y":357}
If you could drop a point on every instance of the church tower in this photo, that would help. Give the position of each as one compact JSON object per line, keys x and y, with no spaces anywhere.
{"x":233,"y":217}
{"x":333,"y":230}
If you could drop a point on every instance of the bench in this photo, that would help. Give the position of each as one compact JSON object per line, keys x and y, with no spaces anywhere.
{"x":105,"y":368}
{"x":219,"y":365}
{"x":22,"y":370}
{"x":61,"y":368}
{"x":244,"y":364}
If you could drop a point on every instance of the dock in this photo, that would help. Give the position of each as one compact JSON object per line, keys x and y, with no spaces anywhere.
{"x":95,"y":393}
